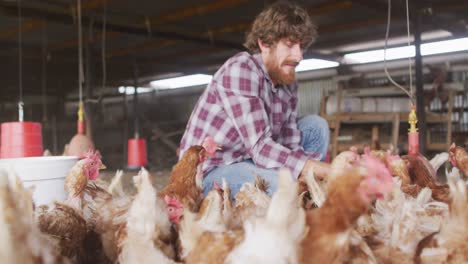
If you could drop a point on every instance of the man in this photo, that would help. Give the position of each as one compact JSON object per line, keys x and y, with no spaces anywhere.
{"x":250,"y":107}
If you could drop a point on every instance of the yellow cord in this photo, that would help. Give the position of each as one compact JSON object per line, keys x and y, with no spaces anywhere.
{"x":80,"y":112}
{"x":412,"y":120}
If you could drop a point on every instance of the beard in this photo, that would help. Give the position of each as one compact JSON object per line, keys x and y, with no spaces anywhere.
{"x":277,"y":75}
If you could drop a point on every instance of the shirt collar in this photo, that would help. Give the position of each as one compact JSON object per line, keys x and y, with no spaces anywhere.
{"x":258,"y":58}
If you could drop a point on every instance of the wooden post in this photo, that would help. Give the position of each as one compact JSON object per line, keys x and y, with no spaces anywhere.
{"x":395,"y":131}
{"x":337,"y":122}
{"x":375,"y":144}
{"x":449,"y":118}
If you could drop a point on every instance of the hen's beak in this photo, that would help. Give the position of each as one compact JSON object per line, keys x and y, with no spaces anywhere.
{"x":102,"y":167}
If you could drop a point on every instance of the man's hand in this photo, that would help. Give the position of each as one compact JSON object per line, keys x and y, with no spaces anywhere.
{"x":320,"y":169}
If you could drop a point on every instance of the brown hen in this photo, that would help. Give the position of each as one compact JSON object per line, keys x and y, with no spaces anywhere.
{"x":459,"y":159}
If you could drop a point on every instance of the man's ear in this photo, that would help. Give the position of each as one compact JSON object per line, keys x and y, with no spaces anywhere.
{"x":263,"y":46}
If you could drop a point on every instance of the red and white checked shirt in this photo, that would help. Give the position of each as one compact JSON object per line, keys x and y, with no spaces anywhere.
{"x":249,"y":117}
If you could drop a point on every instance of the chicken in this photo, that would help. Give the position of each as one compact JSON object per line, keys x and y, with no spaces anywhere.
{"x":401,"y":221}
{"x":449,"y":245}
{"x":185,"y":184}
{"x":345,"y":161}
{"x":423,"y":174}
{"x":106,"y":215}
{"x":64,"y":223}
{"x":316,"y":192}
{"x":145,"y":217}
{"x":397,"y":167}
{"x":209,"y":219}
{"x":251,"y":201}
{"x":459,"y":159}
{"x":66,"y":227}
{"x":77,"y":179}
{"x":214,"y":247}
{"x":349,"y":196}
{"x":283,"y":223}
{"x":20,"y":238}
{"x":438,"y":160}
{"x":115,"y":187}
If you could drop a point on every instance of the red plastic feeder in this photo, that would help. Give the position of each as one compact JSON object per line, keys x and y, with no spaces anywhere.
{"x":21,"y":139}
{"x":137,"y":153}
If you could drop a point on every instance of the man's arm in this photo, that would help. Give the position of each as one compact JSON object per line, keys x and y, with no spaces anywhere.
{"x":239,"y":93}
{"x":291,"y":138}
{"x":320,"y":169}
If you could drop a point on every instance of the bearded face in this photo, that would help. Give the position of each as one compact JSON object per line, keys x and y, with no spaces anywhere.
{"x":281,"y":61}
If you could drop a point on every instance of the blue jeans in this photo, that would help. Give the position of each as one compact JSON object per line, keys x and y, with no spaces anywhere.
{"x":315,"y":136}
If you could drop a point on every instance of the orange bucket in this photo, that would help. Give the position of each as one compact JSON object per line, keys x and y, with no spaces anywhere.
{"x":137,"y":153}
{"x":21,"y":139}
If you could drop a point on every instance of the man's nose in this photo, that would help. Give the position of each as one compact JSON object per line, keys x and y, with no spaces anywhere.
{"x":296,"y":52}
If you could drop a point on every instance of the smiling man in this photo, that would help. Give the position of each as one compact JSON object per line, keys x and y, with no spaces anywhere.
{"x":250,"y":107}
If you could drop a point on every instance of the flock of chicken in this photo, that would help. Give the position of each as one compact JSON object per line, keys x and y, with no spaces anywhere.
{"x":372,"y":208}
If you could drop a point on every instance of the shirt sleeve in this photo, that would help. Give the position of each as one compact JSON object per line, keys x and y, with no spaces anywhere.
{"x":239,"y":93}
{"x":291,"y":135}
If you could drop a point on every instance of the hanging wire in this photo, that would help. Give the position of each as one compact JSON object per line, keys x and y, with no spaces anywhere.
{"x":20,"y":65}
{"x":44,"y":74}
{"x":103,"y":45}
{"x":389,"y":14}
{"x":410,"y":62}
{"x":80,"y":54}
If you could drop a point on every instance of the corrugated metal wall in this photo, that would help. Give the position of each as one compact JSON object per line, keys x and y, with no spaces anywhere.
{"x":311,"y":94}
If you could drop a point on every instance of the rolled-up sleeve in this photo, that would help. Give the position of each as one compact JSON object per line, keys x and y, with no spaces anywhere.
{"x":239,"y":90}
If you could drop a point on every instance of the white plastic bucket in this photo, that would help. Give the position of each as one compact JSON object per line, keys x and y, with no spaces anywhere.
{"x":47,"y":174}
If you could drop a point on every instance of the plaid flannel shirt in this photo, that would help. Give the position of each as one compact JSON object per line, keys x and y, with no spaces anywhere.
{"x":249,"y":117}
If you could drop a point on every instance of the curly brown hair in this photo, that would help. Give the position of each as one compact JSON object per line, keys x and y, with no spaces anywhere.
{"x":281,"y":20}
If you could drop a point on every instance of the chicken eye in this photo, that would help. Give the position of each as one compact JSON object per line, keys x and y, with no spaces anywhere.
{"x":170,"y":210}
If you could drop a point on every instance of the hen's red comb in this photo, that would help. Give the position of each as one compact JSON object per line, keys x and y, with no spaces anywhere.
{"x":377,"y":170}
{"x":91,"y":154}
{"x":172,"y":201}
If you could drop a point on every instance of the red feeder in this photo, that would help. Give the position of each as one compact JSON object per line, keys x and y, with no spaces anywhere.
{"x":21,"y":139}
{"x":137,"y":153}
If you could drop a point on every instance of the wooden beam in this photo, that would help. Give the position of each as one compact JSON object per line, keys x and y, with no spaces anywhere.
{"x":93,"y":4}
{"x":35,"y":24}
{"x":146,"y":46}
{"x":434,"y":20}
{"x":332,"y":28}
{"x":71,"y":43}
{"x":200,"y":9}
{"x":27,"y":26}
{"x":173,"y":17}
{"x":321,"y":9}
{"x":329,"y":7}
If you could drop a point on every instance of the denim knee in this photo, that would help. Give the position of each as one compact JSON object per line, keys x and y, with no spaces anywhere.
{"x":315,"y":134}
{"x":315,"y":122}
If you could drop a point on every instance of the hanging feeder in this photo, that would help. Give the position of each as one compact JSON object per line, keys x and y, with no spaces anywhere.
{"x":136,"y":155}
{"x":80,"y":143}
{"x":20,"y":139}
